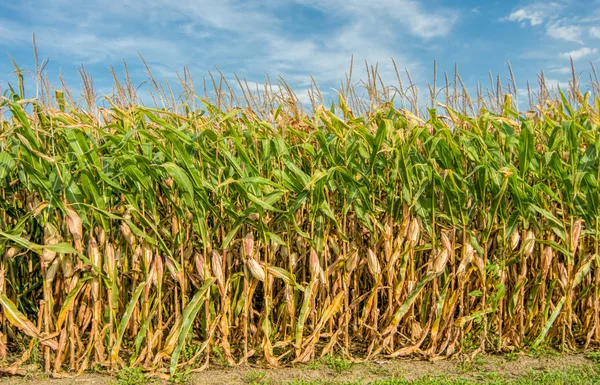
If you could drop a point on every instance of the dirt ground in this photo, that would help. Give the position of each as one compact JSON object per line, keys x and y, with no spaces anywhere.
{"x":481,"y":368}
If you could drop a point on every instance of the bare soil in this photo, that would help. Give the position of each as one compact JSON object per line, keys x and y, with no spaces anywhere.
{"x":480,"y":368}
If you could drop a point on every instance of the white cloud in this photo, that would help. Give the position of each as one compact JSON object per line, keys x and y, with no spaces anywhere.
{"x":248,"y":37}
{"x":535,"y":18}
{"x":579,"y":53}
{"x":13,"y":34}
{"x":560,"y":70}
{"x":535,"y":13}
{"x":371,"y":36}
{"x":555,"y":83}
{"x":561,"y":22}
{"x":422,"y":21}
{"x":229,"y":15}
{"x":565,"y":32}
{"x":522,"y":94}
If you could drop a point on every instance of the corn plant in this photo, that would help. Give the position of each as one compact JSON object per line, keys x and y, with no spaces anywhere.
{"x":217,"y":231}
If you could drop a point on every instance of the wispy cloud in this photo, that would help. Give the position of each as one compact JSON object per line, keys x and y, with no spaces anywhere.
{"x":562,"y":22}
{"x":248,"y":36}
{"x":561,"y":70}
{"x":375,"y":34}
{"x":555,"y":83}
{"x":565,"y":32}
{"x":421,"y":21}
{"x":534,"y":14}
{"x":580,"y":53}
{"x":13,"y":34}
{"x":298,"y":38}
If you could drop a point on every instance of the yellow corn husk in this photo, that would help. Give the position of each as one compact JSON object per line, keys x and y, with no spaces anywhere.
{"x":467,"y":259}
{"x":575,"y":235}
{"x":100,"y":236}
{"x":446,"y":243}
{"x":257,"y":271}
{"x":152,"y":276}
{"x":293,"y":259}
{"x":67,"y":265}
{"x":217,"y":267}
{"x":404,"y":228}
{"x":284,"y":252}
{"x":351,"y":262}
{"x":440,"y":261}
{"x":74,"y":224}
{"x":51,"y":237}
{"x":414,"y":231}
{"x":52,"y":270}
{"x":479,"y":262}
{"x":529,"y":243}
{"x":160,"y":269}
{"x":110,"y":261}
{"x":2,"y":276}
{"x":563,"y":275}
{"x":94,"y":252}
{"x":174,"y":225}
{"x":248,"y":245}
{"x":515,"y":238}
{"x":200,"y":265}
{"x":172,"y":268}
{"x":127,"y":233}
{"x":547,"y":256}
{"x":11,"y":252}
{"x":316,"y":270}
{"x":147,"y":256}
{"x":388,"y":231}
{"x":373,"y":263}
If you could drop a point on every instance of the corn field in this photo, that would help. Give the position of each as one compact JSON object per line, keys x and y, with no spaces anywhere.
{"x":240,"y":227}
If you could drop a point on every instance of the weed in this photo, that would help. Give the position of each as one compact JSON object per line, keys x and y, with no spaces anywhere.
{"x":543,"y":351}
{"x":593,"y":356}
{"x":131,"y":376}
{"x":183,"y":378}
{"x":256,"y":378}
{"x":337,"y":364}
{"x":220,"y":356}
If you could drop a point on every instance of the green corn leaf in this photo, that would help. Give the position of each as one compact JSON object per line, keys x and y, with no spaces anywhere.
{"x":188,"y":317}
{"x":114,"y":353}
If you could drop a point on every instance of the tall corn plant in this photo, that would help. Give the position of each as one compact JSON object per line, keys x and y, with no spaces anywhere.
{"x":166,"y":237}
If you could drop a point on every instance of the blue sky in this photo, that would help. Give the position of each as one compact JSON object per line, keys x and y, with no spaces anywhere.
{"x":298,"y":38}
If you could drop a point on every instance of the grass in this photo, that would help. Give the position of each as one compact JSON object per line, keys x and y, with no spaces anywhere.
{"x":182,"y":378}
{"x":580,"y":376}
{"x":543,"y":351}
{"x":337,"y":364}
{"x":471,"y":365}
{"x":256,"y":378}
{"x":131,"y":376}
{"x":593,"y":356}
